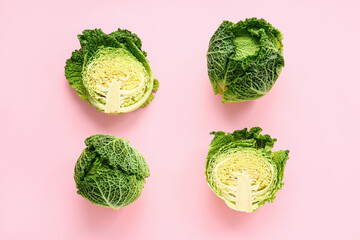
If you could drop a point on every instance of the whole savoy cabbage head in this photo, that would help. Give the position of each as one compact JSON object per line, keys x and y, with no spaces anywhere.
{"x":244,"y":59}
{"x":109,"y":172}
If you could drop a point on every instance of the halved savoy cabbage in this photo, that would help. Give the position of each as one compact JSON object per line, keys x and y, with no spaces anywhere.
{"x":111,"y":72}
{"x":242,"y":169}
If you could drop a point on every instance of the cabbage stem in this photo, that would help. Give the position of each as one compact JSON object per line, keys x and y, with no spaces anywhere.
{"x":112,"y":105}
{"x":243,"y":200}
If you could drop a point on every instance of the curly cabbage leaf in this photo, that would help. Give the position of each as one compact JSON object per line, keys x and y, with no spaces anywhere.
{"x":242,"y":170}
{"x":244,"y":59}
{"x":111,"y":72}
{"x":109,"y":172}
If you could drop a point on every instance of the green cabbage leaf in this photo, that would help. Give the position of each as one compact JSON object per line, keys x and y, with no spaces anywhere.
{"x":242,"y":169}
{"x":109,"y":172}
{"x":244,"y":59}
{"x":111,"y":72}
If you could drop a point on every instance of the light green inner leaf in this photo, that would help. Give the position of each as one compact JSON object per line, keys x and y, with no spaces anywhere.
{"x":246,"y":45}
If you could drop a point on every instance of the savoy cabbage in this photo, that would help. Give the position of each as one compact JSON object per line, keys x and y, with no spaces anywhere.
{"x":109,"y":172}
{"x":111,"y":72}
{"x":244,"y":59}
{"x":242,"y":169}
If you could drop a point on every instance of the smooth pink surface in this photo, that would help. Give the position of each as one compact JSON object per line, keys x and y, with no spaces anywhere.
{"x":313,"y":110}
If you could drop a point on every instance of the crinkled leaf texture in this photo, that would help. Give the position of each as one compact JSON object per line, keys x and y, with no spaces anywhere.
{"x":110,"y":172}
{"x":111,"y":72}
{"x":244,"y":59}
{"x":245,"y":157}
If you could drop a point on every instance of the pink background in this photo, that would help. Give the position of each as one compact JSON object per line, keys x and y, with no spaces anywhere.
{"x":313,"y":110}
